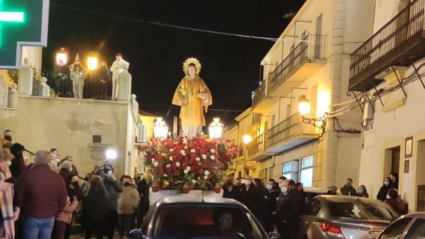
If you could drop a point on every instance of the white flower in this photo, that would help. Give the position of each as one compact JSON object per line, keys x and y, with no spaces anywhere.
{"x":205,"y":177}
{"x":165,"y":175}
{"x":213,"y":151}
{"x":166,"y":183}
{"x":168,"y":165}
{"x":171,"y":150}
{"x":204,"y":156}
{"x":178,"y":164}
{"x":192,"y":150}
{"x":194,"y":181}
{"x":188,"y":168}
{"x":155,"y":164}
{"x":198,"y":159}
{"x":185,"y":171}
{"x":212,"y":157}
{"x":207,"y":172}
{"x":171,"y":158}
{"x":183,"y":152}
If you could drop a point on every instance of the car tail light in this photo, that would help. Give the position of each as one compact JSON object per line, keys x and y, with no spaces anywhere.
{"x":331,"y":230}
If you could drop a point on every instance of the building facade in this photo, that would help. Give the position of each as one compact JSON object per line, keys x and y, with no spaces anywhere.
{"x":386,"y":74}
{"x":310,"y":58}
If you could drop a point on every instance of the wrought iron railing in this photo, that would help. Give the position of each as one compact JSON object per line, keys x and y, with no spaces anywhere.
{"x":288,"y":128}
{"x":404,"y":26}
{"x":310,"y":47}
{"x":255,"y":145}
{"x":259,"y":93}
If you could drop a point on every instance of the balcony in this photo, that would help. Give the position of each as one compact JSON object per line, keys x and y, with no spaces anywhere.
{"x":289,"y":134}
{"x":302,"y":62}
{"x":256,"y":149}
{"x":261,"y":103}
{"x":398,"y":43}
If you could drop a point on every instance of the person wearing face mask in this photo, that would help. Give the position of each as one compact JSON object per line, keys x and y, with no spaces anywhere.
{"x":362,"y":192}
{"x":392,"y":200}
{"x":348,"y":189}
{"x":249,"y":195}
{"x":231,"y":191}
{"x":274,"y":191}
{"x":62,"y":227}
{"x":66,"y":170}
{"x":288,"y":210}
{"x":7,"y":136}
{"x":383,"y":191}
{"x":127,"y":203}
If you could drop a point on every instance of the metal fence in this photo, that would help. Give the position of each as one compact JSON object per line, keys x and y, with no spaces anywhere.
{"x":255,"y":145}
{"x":259,"y":93}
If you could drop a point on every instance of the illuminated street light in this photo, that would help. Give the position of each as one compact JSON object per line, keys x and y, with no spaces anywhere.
{"x":92,"y":62}
{"x":246,"y":138}
{"x":303,"y":105}
{"x":216,"y":129}
{"x":160,"y":129}
{"x":111,"y":154}
{"x":61,"y":57}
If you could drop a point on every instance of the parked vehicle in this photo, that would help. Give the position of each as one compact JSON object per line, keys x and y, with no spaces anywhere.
{"x":336,"y":216}
{"x":411,"y":226}
{"x":197,"y":217}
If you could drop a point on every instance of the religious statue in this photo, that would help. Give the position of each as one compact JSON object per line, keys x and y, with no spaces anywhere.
{"x":78,"y":76}
{"x":193,"y":95}
{"x":63,"y":84}
{"x":117,"y":68}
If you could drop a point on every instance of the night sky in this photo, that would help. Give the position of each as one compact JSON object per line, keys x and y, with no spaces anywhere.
{"x":230,"y":65}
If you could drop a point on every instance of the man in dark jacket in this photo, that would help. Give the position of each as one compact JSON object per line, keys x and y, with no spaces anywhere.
{"x":288,"y":210}
{"x":143,"y":187}
{"x":114,"y":188}
{"x":41,"y":195}
{"x":348,"y":189}
{"x":230,"y":190}
{"x":249,"y":195}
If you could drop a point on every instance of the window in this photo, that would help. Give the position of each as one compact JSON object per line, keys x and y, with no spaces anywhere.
{"x":287,"y":170}
{"x":307,"y":171}
{"x":396,"y":229}
{"x":417,"y":230}
{"x":360,"y":210}
{"x":312,"y":207}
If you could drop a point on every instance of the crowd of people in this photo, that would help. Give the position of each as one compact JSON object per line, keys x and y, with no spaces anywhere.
{"x":279,"y":204}
{"x":40,"y":199}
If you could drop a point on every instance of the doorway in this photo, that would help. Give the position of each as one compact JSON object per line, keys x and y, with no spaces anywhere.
{"x":392,"y":161}
{"x":420,"y":177}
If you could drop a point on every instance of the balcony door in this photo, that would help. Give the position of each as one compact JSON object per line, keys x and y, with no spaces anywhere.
{"x":317,"y":49}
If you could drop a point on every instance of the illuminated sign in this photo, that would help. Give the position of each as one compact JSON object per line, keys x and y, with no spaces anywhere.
{"x":22,"y":23}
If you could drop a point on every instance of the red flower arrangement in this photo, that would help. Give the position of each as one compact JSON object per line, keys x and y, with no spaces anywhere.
{"x":198,"y":162}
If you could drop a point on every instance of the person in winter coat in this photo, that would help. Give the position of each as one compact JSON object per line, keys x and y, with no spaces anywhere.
{"x":64,"y":218}
{"x":114,"y":188}
{"x":394,"y":202}
{"x":143,"y":187}
{"x":383,"y":191}
{"x":348,"y":189}
{"x":127,"y":203}
{"x":263,"y":204}
{"x":249,"y":195}
{"x":95,"y":208}
{"x":66,"y":170}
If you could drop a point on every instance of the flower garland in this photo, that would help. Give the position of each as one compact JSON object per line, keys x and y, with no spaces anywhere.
{"x":198,"y":162}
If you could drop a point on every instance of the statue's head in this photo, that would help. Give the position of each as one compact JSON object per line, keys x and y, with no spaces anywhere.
{"x":118,"y":56}
{"x":191,"y":70}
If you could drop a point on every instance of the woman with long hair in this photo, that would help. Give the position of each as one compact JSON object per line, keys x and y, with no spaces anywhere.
{"x":362,"y":192}
{"x":95,"y":208}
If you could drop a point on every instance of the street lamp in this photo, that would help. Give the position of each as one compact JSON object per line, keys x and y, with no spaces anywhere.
{"x":61,"y":57}
{"x":160,"y":129}
{"x":92,"y":62}
{"x":246,"y":138}
{"x":216,"y":129}
{"x":304,"y":108}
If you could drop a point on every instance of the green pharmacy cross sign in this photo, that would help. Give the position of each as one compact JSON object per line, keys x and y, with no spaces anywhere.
{"x":22,"y":23}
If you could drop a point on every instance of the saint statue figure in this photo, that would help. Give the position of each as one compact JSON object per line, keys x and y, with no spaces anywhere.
{"x":193,"y":95}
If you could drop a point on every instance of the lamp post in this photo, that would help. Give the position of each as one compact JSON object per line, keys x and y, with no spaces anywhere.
{"x":160,"y":129}
{"x":304,"y":108}
{"x":92,"y":62}
{"x":61,"y":57}
{"x":215,"y":129}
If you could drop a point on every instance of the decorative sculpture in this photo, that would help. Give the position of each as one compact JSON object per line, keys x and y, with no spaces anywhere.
{"x":117,"y":68}
{"x":193,"y":95}
{"x":78,"y":76}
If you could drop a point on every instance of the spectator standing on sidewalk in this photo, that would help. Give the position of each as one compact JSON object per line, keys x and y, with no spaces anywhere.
{"x":41,"y":195}
{"x":127,"y":204}
{"x":348,"y":189}
{"x":143,"y":188}
{"x":113,"y":188}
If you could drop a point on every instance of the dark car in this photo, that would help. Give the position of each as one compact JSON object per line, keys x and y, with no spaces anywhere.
{"x":335,"y":216}
{"x":185,"y":217}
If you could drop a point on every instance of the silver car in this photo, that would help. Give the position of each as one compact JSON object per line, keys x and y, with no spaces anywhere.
{"x":411,"y":226}
{"x":335,"y":216}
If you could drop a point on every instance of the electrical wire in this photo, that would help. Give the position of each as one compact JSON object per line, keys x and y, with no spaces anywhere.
{"x":273,"y":39}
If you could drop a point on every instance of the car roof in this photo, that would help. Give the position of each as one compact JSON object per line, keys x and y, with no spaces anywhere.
{"x":416,"y":215}
{"x":343,"y":198}
{"x":198,"y":200}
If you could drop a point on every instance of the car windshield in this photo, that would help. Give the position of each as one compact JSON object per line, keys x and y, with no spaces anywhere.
{"x":204,"y":221}
{"x":361,"y":210}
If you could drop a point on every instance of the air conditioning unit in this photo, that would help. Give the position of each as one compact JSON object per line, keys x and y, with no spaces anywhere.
{"x":142,"y":137}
